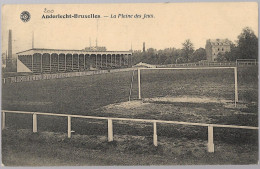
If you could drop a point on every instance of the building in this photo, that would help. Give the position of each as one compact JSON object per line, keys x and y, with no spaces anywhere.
{"x":38,"y":60}
{"x":216,"y":46}
{"x":95,"y":48}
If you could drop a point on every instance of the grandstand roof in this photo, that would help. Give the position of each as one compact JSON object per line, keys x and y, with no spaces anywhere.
{"x":43,"y":50}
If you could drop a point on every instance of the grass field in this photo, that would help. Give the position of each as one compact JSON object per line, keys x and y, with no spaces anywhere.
{"x":104,"y":95}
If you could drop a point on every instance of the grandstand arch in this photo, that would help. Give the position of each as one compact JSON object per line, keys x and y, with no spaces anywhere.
{"x":37,"y":58}
{"x":45,"y":62}
{"x":103,"y":60}
{"x":69,"y":62}
{"x":82,"y":65}
{"x":75,"y":61}
{"x":54,"y":62}
{"x":61,"y":62}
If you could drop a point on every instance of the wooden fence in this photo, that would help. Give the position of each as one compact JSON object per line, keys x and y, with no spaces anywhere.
{"x":110,"y":124}
{"x":210,"y":64}
{"x":18,"y":79}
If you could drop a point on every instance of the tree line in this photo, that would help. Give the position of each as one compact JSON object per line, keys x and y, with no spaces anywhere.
{"x":246,"y":47}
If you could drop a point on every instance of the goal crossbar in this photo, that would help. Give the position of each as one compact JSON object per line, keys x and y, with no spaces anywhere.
{"x":197,"y":68}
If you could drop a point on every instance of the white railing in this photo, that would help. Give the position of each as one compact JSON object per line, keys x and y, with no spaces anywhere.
{"x":211,"y":64}
{"x":18,"y":79}
{"x":246,"y":62}
{"x":110,"y":124}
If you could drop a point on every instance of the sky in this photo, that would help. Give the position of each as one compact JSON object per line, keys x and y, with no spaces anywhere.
{"x":170,"y":26}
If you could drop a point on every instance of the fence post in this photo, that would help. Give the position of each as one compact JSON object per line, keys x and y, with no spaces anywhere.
{"x":69,"y":126}
{"x":155,"y":143}
{"x":3,"y":120}
{"x":110,"y":130}
{"x":210,"y":139}
{"x":236,"y":88}
{"x":139,"y":84}
{"x":34,"y":122}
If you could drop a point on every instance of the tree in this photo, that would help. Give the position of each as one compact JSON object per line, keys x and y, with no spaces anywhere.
{"x":221,"y":57}
{"x":187,"y":49}
{"x":247,"y":44}
{"x":151,"y":56}
{"x":198,"y":55}
{"x":233,"y":54}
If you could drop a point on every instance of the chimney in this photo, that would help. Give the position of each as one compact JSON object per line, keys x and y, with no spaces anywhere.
{"x":10,"y":45}
{"x":143,"y":46}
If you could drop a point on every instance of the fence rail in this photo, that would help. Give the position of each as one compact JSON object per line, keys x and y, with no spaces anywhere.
{"x":211,"y":64}
{"x":18,"y":79}
{"x":110,"y":124}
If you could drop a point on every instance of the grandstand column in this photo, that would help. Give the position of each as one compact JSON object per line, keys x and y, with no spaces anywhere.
{"x":58,"y":62}
{"x":65,"y":58}
{"x":111,"y":57}
{"x":127,"y":60}
{"x":72,"y":62}
{"x":120,"y":60}
{"x":106,"y":60}
{"x":101,"y":63}
{"x":84,"y":62}
{"x":96,"y":60}
{"x":41,"y":63}
{"x":78,"y":61}
{"x":50,"y":62}
{"x":130,"y":65}
{"x":115,"y":59}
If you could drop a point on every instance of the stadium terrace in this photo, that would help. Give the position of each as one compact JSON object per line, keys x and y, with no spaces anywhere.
{"x":38,"y":60}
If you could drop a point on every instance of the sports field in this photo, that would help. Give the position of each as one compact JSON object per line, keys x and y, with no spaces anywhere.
{"x":107,"y":95}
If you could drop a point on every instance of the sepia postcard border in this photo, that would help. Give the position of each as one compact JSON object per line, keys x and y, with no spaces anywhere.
{"x":130,"y":1}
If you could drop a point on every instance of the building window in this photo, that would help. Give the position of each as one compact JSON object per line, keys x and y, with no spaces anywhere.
{"x":222,"y":49}
{"x":214,"y":53}
{"x":218,"y":49}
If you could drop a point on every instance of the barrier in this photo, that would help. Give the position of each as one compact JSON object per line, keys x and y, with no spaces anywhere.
{"x":248,"y":63}
{"x":110,"y":124}
{"x":18,"y":79}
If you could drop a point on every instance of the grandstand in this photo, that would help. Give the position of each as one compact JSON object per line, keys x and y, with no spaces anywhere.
{"x":54,"y":60}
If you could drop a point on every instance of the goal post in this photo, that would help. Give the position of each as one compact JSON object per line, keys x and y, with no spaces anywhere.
{"x":197,"y":68}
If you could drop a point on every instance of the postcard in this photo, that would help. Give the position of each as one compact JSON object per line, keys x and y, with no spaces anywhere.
{"x":130,"y":84}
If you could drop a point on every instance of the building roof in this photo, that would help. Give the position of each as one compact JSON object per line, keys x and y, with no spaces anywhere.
{"x":41,"y":50}
{"x":215,"y":42}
